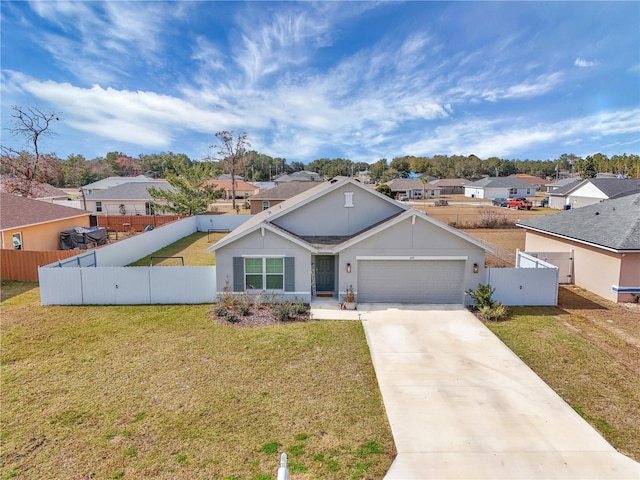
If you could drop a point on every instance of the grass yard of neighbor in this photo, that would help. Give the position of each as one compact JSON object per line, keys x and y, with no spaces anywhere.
{"x":167,"y":393}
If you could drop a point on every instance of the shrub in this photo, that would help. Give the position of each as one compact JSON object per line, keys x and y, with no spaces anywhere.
{"x":299,"y":308}
{"x":283,"y":311}
{"x":220,"y":310}
{"x":481,"y":296}
{"x":494,"y":313}
{"x":232,"y":318}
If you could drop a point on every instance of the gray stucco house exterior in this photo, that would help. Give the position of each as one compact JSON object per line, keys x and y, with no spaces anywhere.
{"x":341,"y":235}
{"x":499,"y":187}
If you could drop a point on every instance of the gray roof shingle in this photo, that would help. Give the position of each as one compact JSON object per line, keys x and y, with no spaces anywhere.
{"x":612,"y":224}
{"x":499,"y":182}
{"x":284,"y":191}
{"x":129,"y":191}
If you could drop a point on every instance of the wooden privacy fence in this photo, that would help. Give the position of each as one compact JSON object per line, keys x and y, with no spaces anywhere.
{"x":22,"y":265}
{"x":138,"y":223}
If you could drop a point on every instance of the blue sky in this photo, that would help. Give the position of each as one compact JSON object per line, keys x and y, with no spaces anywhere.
{"x":358,"y":80}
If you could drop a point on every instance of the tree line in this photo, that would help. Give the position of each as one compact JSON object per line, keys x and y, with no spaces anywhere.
{"x":233,"y":156}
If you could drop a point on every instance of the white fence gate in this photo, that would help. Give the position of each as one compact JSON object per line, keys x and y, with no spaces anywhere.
{"x":100,"y":277}
{"x":532,"y":282}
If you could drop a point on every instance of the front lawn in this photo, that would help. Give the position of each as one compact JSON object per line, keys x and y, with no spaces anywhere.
{"x":588,"y":351}
{"x":164,"y":392}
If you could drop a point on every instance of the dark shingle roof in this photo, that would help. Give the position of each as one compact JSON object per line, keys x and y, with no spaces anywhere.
{"x":615,"y":187}
{"x":284,"y":191}
{"x":612,"y":224}
{"x":129,"y":191}
{"x":18,"y":211}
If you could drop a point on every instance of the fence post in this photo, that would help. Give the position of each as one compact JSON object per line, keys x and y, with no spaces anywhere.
{"x":283,"y":471}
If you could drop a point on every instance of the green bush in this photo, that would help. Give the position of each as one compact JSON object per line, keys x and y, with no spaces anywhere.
{"x":481,"y":296}
{"x":494,"y":313}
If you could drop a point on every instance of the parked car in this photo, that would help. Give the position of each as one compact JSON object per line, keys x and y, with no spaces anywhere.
{"x":499,"y":202}
{"x":441,"y":203}
{"x":544,"y":202}
{"x":404,"y":198}
{"x":519,"y":203}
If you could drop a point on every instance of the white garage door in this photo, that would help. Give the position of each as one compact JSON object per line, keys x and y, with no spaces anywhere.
{"x":410,"y":281}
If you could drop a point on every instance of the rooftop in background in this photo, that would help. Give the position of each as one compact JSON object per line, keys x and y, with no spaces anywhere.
{"x":284,"y":191}
{"x":129,"y":191}
{"x":115,"y":181}
{"x":17,"y":211}
{"x":38,"y":190}
{"x":302,"y":176}
{"x":499,"y":182}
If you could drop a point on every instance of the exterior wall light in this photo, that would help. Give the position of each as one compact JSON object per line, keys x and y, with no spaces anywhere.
{"x":475,"y":268}
{"x":348,"y":268}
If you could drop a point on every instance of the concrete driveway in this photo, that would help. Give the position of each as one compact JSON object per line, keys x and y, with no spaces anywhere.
{"x":462,"y":406}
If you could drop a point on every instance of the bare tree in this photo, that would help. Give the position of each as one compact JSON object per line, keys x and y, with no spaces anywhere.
{"x":32,"y":124}
{"x":231,"y":150}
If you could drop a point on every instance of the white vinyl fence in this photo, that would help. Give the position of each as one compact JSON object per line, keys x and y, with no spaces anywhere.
{"x":532,"y":282}
{"x":100,"y":277}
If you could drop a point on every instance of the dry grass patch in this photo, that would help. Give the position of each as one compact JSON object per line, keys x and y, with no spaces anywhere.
{"x":164,"y":392}
{"x":193,"y":248}
{"x":588,"y":351}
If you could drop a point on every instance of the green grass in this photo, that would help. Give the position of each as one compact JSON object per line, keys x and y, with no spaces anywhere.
{"x":193,"y":248}
{"x":165,"y":392}
{"x":597,"y":378}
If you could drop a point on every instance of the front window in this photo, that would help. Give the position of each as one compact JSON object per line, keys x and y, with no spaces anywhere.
{"x":264,"y":273}
{"x":265,"y":205}
{"x":98,"y":206}
{"x":513,"y":191}
{"x":148,"y":209}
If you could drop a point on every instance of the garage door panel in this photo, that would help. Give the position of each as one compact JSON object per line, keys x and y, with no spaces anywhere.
{"x":410,"y":281}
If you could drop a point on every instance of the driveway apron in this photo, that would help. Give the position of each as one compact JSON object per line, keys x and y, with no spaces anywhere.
{"x":463,"y":406}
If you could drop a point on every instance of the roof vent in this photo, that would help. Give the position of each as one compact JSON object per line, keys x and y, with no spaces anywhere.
{"x":597,"y":213}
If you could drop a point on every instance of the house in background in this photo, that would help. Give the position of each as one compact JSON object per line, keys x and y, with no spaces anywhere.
{"x":131,"y":198}
{"x":562,"y":183}
{"x":499,"y":187}
{"x":412,"y":188}
{"x":537,"y":182}
{"x":449,"y":186}
{"x":273,"y":196}
{"x":344,"y":235}
{"x":302,"y":176}
{"x":592,"y":190}
{"x":604,"y":239}
{"x":110,"y":182}
{"x":28,"y":224}
{"x":243,"y":189}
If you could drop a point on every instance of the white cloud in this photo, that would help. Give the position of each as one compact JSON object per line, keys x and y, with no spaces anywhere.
{"x":580,"y":62}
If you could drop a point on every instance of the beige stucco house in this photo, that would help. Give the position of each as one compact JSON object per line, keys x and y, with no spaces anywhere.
{"x":604,"y":239}
{"x":28,"y":224}
{"x":343,"y":235}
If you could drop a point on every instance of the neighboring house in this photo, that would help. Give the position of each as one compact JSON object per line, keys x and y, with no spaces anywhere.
{"x":274,"y":196}
{"x":592,"y":190}
{"x":604,"y":239}
{"x":342,"y":235}
{"x":499,"y":187}
{"x":449,"y":186}
{"x":243,"y":189}
{"x":302,"y":176}
{"x":412,"y":188}
{"x":130,"y":198}
{"x":562,"y":183}
{"x":28,"y":224}
{"x":39,"y":191}
{"x":537,"y":182}
{"x":110,"y":182}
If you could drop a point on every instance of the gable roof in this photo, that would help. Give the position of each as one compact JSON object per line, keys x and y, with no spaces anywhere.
{"x":301,"y":176}
{"x":226,"y":184}
{"x":531,"y":179}
{"x":334,"y":244}
{"x":406,"y":184}
{"x":284,"y":191}
{"x":611,"y":224}
{"x":129,"y":191}
{"x":612,"y":187}
{"x":38,"y":189}
{"x":114,"y":181}
{"x":449,"y":182}
{"x":16,"y":211}
{"x":499,"y":182}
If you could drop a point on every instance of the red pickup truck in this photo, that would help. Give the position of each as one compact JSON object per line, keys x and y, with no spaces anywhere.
{"x":519,"y":203}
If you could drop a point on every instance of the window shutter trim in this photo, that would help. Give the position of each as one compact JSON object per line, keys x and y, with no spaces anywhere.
{"x":289,"y":274}
{"x":238,"y":274}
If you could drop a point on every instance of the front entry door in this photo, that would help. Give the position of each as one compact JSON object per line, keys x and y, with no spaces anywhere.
{"x":325,"y":273}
